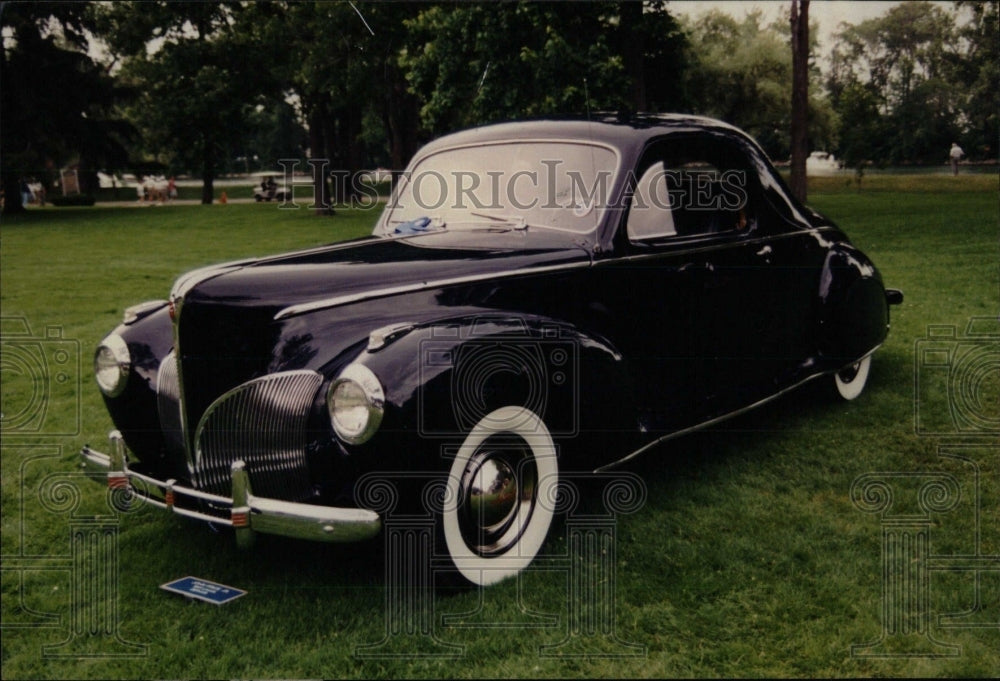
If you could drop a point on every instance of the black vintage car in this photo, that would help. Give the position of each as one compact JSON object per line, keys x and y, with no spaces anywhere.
{"x":537,"y":298}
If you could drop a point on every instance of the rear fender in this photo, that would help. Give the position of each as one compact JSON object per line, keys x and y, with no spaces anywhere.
{"x":853,"y":317}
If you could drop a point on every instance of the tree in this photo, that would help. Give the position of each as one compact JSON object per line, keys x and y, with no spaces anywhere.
{"x":274,"y":132}
{"x":338,"y":75}
{"x":978,"y":73}
{"x":476,"y":63}
{"x":741,"y":72}
{"x":197,"y":88}
{"x":863,"y":132}
{"x":58,"y":104}
{"x":911,"y":64}
{"x":652,"y":46}
{"x":800,"y":96}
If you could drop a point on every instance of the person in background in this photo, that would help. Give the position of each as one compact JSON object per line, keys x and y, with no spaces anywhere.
{"x":955,"y":154}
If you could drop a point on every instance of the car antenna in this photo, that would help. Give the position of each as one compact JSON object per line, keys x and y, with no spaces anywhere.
{"x":483,"y":79}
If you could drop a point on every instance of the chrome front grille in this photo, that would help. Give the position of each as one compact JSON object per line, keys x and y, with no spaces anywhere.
{"x":168,"y":405}
{"x":262,"y":423}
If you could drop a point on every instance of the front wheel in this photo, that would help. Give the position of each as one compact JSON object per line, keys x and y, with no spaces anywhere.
{"x":501,"y":490}
{"x":850,"y":381}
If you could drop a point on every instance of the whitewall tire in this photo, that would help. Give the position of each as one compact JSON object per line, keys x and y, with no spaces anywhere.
{"x":500,"y":495}
{"x":851,"y":380}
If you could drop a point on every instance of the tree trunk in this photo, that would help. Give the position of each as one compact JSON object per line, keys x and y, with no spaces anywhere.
{"x":633,"y":47}
{"x":351,"y":152}
{"x":800,"y":96}
{"x":401,"y":117}
{"x":207,"y":174}
{"x":12,"y":194}
{"x":319,"y":151}
{"x":86,"y":176}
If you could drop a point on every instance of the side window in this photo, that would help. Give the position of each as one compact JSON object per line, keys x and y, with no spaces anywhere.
{"x":649,"y":215}
{"x":709,"y":199}
{"x":692,"y":187}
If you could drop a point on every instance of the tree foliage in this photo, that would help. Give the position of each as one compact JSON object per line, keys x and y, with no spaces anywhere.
{"x":216,"y":81}
{"x":799,"y":30}
{"x":926,"y":81}
{"x":979,"y":74}
{"x":476,"y":63}
{"x":197,"y":87}
{"x":58,"y":105}
{"x":741,"y":71}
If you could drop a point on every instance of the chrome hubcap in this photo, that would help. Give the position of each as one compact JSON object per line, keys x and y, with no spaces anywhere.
{"x":498,"y":496}
{"x":493,"y":493}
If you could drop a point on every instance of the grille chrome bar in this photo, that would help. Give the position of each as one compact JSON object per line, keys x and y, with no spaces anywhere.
{"x":263,"y":423}
{"x":168,"y":405}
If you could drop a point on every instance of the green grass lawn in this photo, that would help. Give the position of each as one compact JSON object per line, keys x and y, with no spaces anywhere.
{"x":747,"y":558}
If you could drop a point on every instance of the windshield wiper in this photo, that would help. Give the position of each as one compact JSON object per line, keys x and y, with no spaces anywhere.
{"x":516,"y":221}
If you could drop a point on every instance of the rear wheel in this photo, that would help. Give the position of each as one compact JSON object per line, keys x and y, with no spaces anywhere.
{"x":500,"y":489}
{"x":851,"y":380}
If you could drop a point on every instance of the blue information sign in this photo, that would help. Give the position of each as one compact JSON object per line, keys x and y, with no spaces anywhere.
{"x":203,"y":590}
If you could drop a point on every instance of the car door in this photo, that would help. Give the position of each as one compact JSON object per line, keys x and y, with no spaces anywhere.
{"x":698,"y":260}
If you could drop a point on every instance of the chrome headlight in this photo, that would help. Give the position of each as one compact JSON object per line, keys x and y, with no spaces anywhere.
{"x":356,"y":402}
{"x":112,"y":364}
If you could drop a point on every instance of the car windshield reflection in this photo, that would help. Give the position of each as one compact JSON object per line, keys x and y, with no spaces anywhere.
{"x":515,"y":185}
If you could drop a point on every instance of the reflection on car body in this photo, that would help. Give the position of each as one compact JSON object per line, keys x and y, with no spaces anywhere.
{"x":537,"y":298}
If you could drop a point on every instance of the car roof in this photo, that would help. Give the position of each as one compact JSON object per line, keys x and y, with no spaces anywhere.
{"x":623,"y":131}
{"x":629,"y":134}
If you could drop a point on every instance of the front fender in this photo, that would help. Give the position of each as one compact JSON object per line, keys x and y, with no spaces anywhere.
{"x":134,"y":412}
{"x":441,"y":379}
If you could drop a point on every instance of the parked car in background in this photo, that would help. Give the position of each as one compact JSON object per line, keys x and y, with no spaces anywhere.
{"x":821,"y":163}
{"x":269,"y":189}
{"x":537,"y":298}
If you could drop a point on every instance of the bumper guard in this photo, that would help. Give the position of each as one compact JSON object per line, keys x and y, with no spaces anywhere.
{"x":248,"y":514}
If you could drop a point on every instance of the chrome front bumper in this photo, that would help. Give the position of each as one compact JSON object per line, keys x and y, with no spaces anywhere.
{"x":248,"y":514}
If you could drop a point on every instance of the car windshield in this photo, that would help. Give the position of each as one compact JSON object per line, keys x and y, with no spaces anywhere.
{"x":513,"y":185}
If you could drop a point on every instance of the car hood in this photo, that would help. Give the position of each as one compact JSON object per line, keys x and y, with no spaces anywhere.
{"x":246,"y":319}
{"x":378,"y":266}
